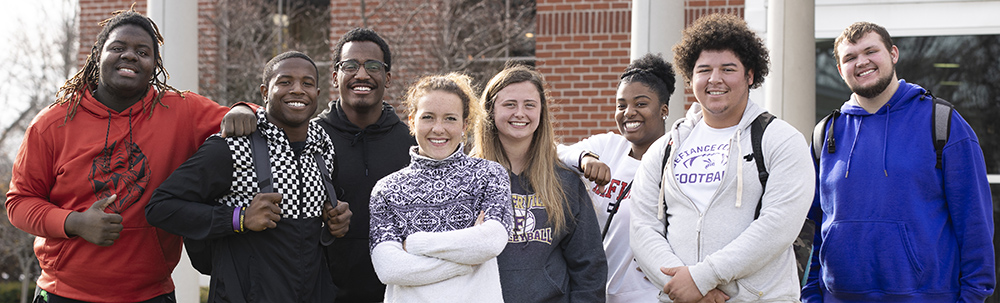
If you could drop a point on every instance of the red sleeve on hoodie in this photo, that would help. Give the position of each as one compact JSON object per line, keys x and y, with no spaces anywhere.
{"x":27,"y":206}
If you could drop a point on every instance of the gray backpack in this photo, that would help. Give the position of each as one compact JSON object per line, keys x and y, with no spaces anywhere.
{"x":940,"y":128}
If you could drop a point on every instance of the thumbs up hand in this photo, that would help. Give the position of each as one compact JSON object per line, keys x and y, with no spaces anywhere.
{"x":94,"y":225}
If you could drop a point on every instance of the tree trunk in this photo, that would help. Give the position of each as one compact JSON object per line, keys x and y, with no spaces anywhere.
{"x":26,"y":292}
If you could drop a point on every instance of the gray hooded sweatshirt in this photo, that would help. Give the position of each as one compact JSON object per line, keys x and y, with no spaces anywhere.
{"x":723,"y":246}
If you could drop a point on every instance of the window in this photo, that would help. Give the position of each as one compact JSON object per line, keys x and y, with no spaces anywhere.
{"x":964,"y":70}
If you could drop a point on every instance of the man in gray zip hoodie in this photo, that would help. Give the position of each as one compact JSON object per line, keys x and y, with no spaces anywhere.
{"x":707,"y":191}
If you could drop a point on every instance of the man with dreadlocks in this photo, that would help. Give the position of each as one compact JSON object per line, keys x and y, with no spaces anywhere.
{"x":90,"y":161}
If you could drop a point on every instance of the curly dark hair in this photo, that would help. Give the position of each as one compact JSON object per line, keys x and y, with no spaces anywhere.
{"x":87,"y":77}
{"x":361,"y":34}
{"x":719,"y":32}
{"x":654,"y":72}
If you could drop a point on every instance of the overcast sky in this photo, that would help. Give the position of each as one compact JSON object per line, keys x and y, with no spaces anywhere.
{"x":23,"y":20}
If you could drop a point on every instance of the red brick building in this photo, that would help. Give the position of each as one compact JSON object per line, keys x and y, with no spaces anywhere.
{"x":581,"y":46}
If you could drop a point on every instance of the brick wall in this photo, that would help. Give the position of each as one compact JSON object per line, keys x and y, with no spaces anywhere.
{"x":208,"y":47}
{"x":696,"y":8}
{"x":693,"y":10}
{"x":93,"y":12}
{"x":582,"y":46}
{"x":407,"y":26}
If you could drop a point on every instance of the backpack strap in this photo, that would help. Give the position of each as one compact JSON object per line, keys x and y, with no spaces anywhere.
{"x":262,"y":165}
{"x":666,"y":156}
{"x":757,"y":128}
{"x":663,"y":167}
{"x":817,"y":136}
{"x":327,"y":179}
{"x":614,"y":210}
{"x":325,"y":237}
{"x":265,"y":180}
{"x":942,"y":126}
{"x":261,"y":162}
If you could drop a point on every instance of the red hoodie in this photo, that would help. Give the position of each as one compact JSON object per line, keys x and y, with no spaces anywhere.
{"x":62,"y":168}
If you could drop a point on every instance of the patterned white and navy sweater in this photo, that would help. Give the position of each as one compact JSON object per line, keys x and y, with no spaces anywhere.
{"x":438,"y":195}
{"x":432,"y":206}
{"x":285,"y":263}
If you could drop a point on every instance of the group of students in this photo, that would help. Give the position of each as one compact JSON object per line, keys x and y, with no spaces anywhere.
{"x":470,"y":198}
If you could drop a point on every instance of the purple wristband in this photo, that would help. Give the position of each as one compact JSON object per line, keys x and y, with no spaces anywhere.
{"x":236,"y":220}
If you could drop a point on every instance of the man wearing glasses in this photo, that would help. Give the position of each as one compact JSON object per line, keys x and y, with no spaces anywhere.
{"x":370,"y":142}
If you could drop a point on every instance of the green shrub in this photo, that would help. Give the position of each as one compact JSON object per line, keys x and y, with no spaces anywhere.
{"x":10,"y":291}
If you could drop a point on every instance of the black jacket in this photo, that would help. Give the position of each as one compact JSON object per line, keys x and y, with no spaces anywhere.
{"x":363,"y":156}
{"x":282,"y":264}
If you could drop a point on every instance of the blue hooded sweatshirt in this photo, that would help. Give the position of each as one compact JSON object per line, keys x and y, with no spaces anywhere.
{"x":895,"y":228}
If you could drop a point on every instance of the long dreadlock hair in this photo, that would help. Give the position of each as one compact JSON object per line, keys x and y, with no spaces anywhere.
{"x":87,"y":78}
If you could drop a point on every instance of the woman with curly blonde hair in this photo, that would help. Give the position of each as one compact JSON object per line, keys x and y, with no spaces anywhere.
{"x":438,"y":224}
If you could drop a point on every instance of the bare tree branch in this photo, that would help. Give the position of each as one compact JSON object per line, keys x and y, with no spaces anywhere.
{"x":41,"y":59}
{"x":247,"y":39}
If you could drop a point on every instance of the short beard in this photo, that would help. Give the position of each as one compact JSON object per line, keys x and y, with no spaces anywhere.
{"x":875,"y":89}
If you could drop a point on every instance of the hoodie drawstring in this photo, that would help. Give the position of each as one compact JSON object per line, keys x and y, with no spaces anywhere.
{"x":360,"y":136}
{"x":739,"y":168}
{"x":850,"y":156}
{"x":127,"y":146}
{"x":885,"y":139}
{"x":131,"y":139}
{"x":107,"y":132}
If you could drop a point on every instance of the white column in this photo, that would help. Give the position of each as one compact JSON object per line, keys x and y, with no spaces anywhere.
{"x":656,"y":27}
{"x":178,"y":23}
{"x":791,"y":38}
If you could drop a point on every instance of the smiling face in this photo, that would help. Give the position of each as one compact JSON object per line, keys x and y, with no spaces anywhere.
{"x":437,"y":124}
{"x":639,"y":113}
{"x":361,"y":91}
{"x":722,"y":86}
{"x":517,"y":111}
{"x":127,"y":63}
{"x":290,"y":94}
{"x":867,"y":66}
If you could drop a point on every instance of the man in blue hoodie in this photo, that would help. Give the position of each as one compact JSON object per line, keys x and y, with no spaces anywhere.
{"x":894,"y":227}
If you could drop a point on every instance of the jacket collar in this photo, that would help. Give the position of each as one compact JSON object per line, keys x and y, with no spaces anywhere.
{"x":420,"y":161}
{"x":316,"y":139}
{"x":338,"y":119}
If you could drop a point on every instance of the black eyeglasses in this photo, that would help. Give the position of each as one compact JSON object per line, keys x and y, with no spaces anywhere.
{"x":371,"y":66}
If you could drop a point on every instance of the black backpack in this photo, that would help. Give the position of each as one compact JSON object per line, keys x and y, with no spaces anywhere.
{"x":940,"y":123}
{"x":803,"y":244}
